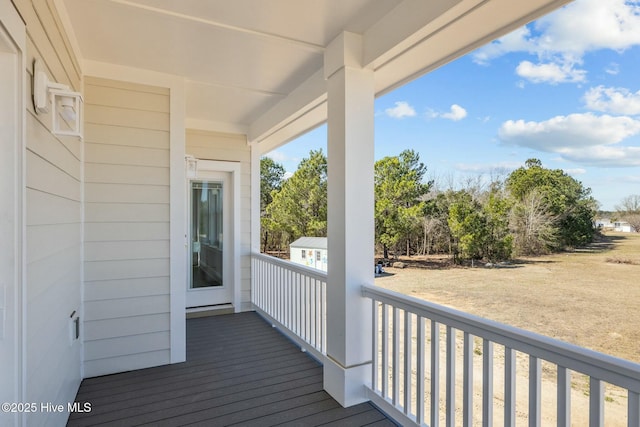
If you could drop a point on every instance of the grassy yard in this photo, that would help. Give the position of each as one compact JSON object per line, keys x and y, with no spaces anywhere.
{"x":589,"y":297}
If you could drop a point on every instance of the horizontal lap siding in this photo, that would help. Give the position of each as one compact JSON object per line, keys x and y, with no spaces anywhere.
{"x":126,"y":227}
{"x":53,"y":226}
{"x":233,"y":148}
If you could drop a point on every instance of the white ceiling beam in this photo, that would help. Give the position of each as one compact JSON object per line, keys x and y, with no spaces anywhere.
{"x":305,"y":123}
{"x":406,"y":25}
{"x":306,"y":97}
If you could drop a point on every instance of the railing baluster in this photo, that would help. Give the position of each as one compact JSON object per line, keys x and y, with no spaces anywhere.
{"x":407,"y":362}
{"x":274,"y":298}
{"x":435,"y":374}
{"x":290,"y":303}
{"x":451,"y":377}
{"x":279,"y":310}
{"x":323,"y":310}
{"x":274,"y":287}
{"x":395,"y":356}
{"x":596,"y":403}
{"x":316,"y":304}
{"x":285,"y":296}
{"x":374,"y":345}
{"x":385,"y":351}
{"x":303,"y":282}
{"x":309,"y":308}
{"x":296,"y":306}
{"x":509,"y":387}
{"x":467,"y":380}
{"x":487,"y":383}
{"x":312,"y":311}
{"x":633,"y":409}
{"x":305,"y":308}
{"x":564,"y":397}
{"x":420,"y":369}
{"x":309,"y":315}
{"x":535,"y":380}
{"x":269,"y":288}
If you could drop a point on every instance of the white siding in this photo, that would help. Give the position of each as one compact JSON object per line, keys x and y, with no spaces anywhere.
{"x":53,"y":227}
{"x":126,"y":211}
{"x":233,"y":148}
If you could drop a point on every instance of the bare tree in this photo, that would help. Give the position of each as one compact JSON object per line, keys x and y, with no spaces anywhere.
{"x":533,"y":225}
{"x":629,"y":210}
{"x":432,"y":229}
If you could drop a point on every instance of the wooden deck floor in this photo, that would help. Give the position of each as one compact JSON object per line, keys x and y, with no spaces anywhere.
{"x":239,"y":371}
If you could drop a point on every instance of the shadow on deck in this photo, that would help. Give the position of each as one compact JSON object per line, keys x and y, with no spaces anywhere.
{"x":239,"y":371}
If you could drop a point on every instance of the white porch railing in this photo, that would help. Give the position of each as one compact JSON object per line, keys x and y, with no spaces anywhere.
{"x":293,"y":298}
{"x":414,"y":341}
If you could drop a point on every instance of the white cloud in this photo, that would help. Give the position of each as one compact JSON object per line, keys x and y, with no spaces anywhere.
{"x":606,"y":156}
{"x":562,"y":38}
{"x":583,"y":138}
{"x":280,"y":157}
{"x":401,"y":110}
{"x":613,"y":69}
{"x":587,"y":25}
{"x":575,"y":171}
{"x":550,"y":72}
{"x":287,"y":175}
{"x":455,"y":113}
{"x":613,"y":100}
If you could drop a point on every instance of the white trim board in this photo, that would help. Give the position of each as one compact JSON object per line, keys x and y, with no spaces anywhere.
{"x":12,"y":294}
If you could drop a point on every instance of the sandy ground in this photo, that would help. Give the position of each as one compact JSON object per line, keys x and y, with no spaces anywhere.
{"x":590,"y":297}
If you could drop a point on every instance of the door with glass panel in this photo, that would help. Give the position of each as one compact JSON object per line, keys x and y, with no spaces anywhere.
{"x":209,"y":235}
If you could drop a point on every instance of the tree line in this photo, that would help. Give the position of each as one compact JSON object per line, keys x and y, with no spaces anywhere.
{"x":531,"y":211}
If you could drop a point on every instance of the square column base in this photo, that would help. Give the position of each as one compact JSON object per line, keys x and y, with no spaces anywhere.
{"x":346,"y":385}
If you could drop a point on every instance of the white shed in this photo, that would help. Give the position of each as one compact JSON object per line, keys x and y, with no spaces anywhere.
{"x":310,"y":251}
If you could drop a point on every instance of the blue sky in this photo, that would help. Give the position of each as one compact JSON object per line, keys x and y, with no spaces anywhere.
{"x":564,"y":89}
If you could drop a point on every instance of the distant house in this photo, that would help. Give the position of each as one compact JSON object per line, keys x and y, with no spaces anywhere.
{"x":310,"y":251}
{"x":619,"y":226}
{"x":623,"y":226}
{"x":604,"y":223}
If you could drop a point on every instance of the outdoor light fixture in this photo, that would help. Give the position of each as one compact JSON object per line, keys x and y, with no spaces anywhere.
{"x":66,"y":105}
{"x":191,"y":166}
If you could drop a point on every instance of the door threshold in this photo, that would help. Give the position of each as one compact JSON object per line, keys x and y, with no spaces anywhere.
{"x":209,"y":310}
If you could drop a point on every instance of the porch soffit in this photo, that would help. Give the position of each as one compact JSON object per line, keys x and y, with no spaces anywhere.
{"x":257,"y":65}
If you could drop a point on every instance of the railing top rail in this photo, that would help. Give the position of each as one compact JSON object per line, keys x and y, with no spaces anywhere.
{"x":301,"y":269}
{"x":602,"y":366}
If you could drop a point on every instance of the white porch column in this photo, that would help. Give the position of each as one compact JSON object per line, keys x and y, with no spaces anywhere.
{"x":350,"y":219}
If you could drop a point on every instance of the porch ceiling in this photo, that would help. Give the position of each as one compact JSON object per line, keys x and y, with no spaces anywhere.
{"x":253,"y":65}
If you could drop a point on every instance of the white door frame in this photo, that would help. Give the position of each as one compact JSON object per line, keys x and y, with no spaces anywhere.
{"x":231,"y":243}
{"x":12,"y":212}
